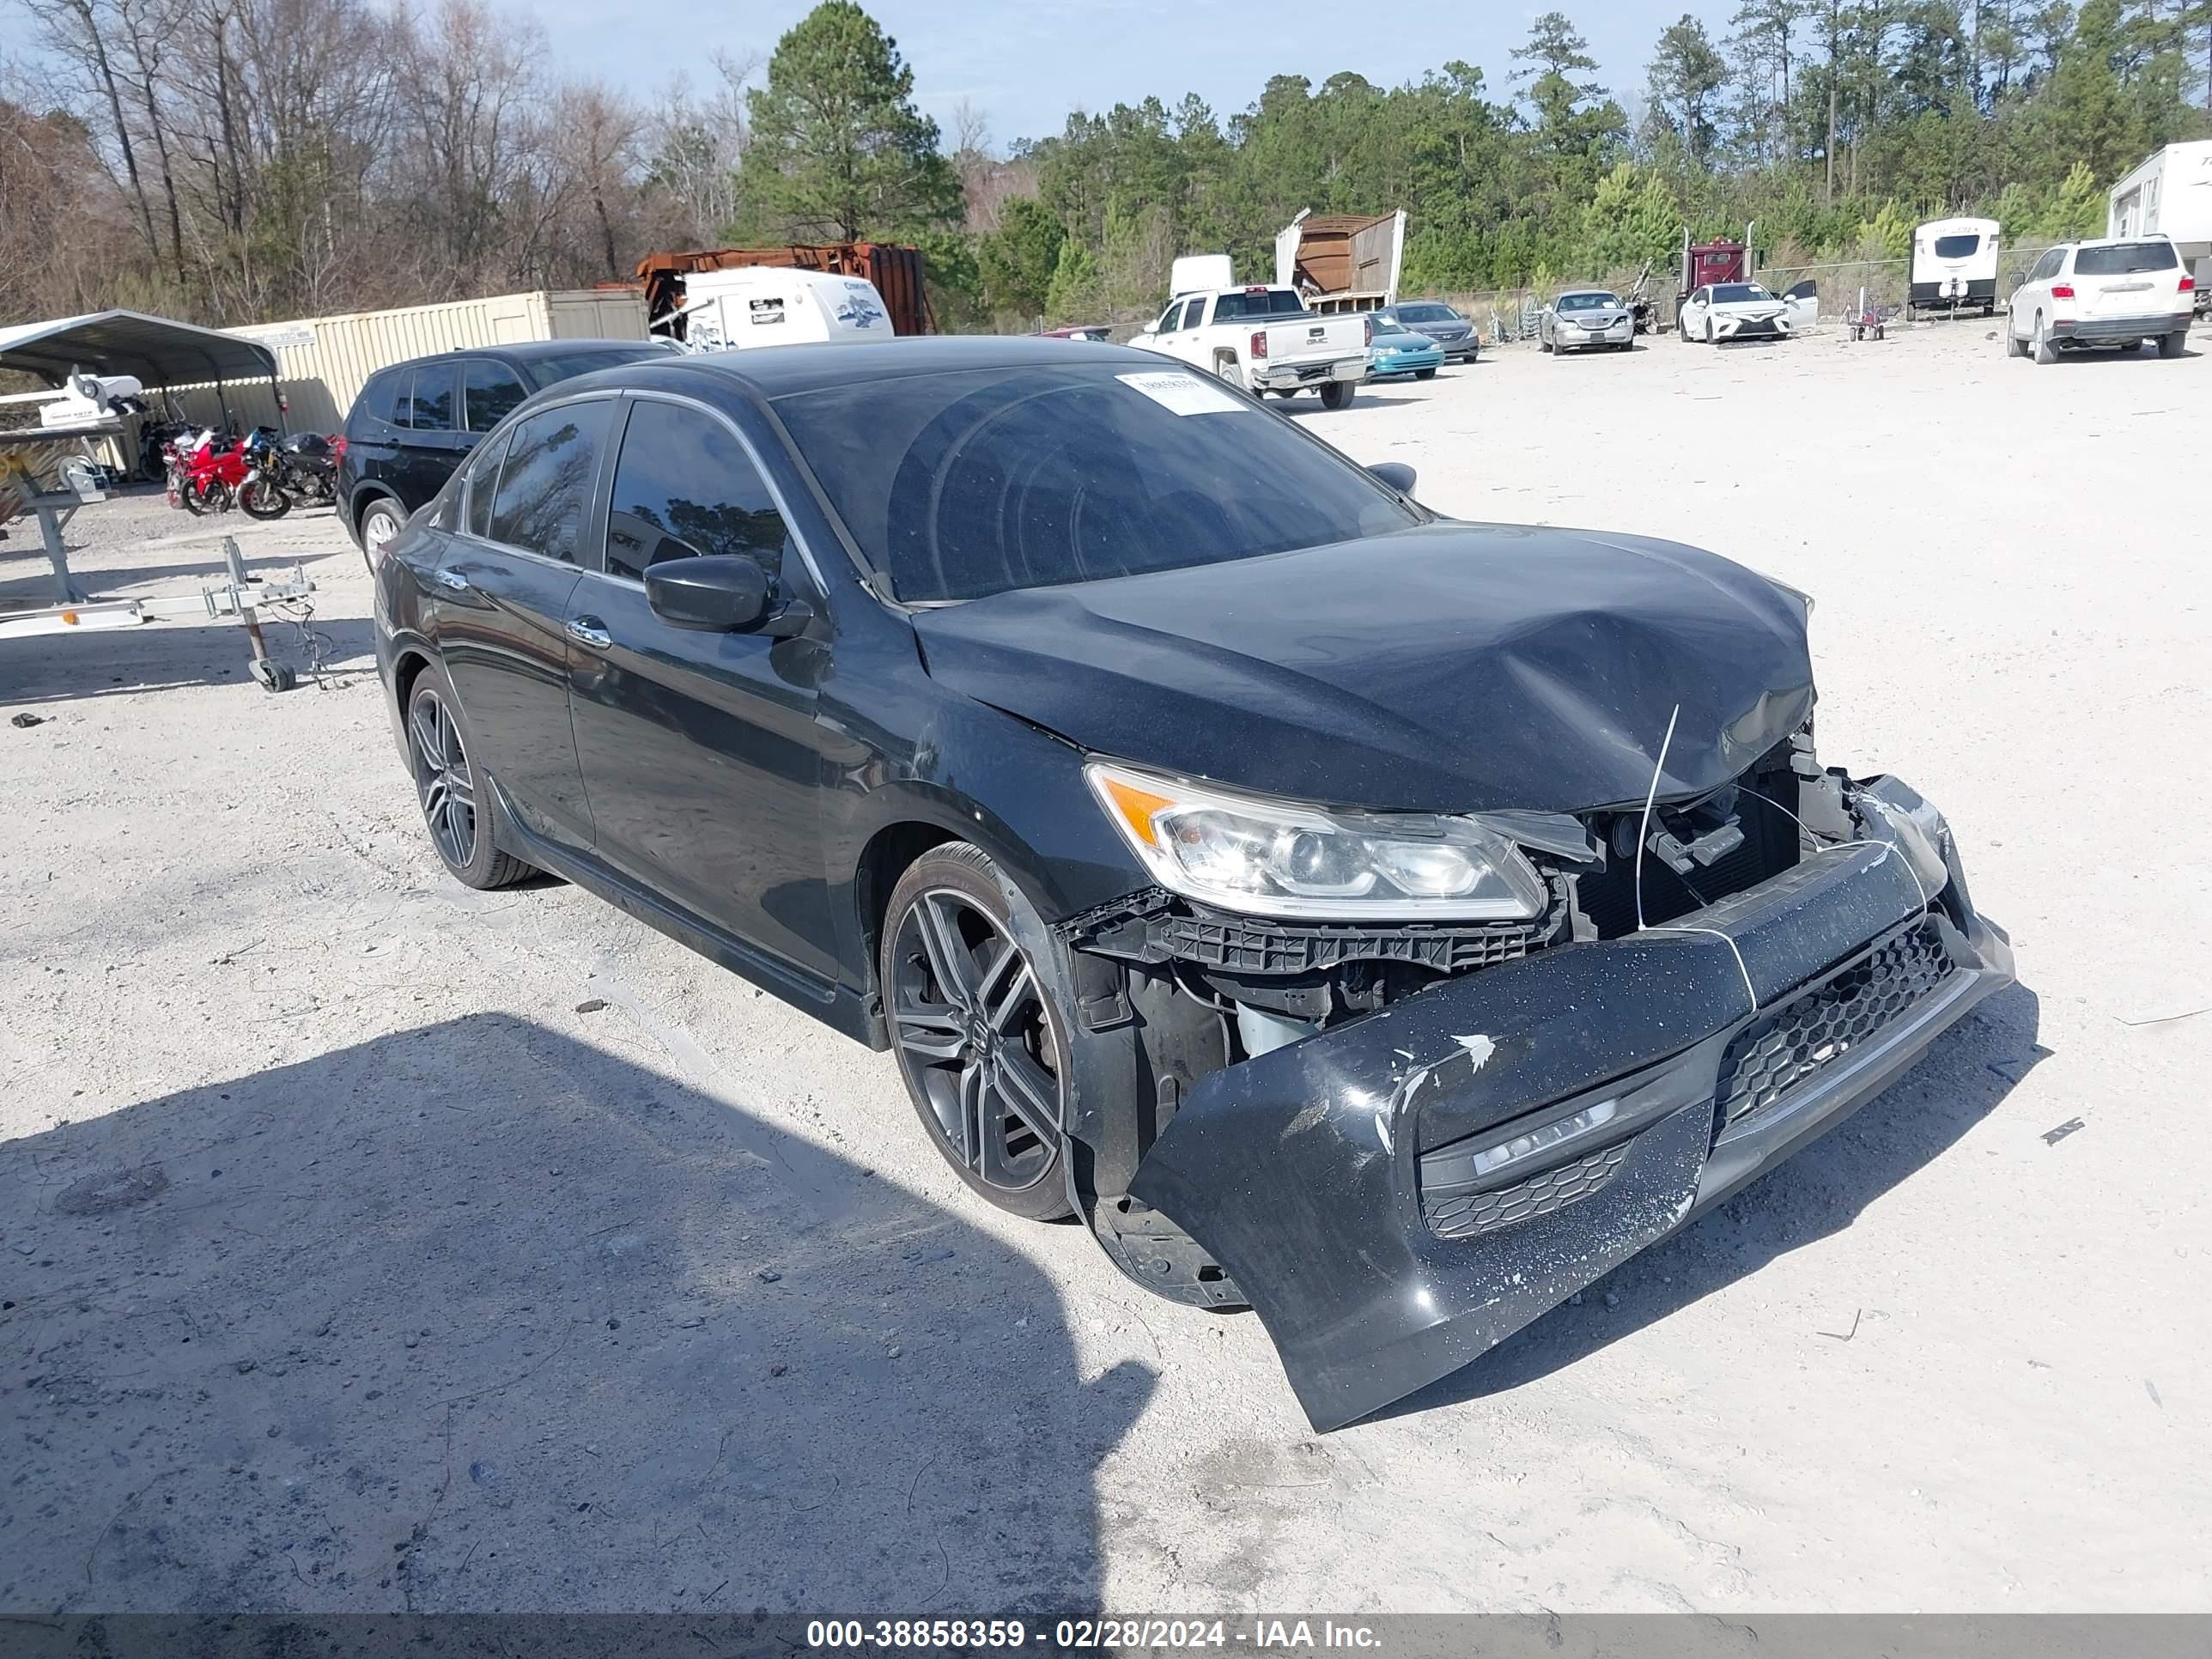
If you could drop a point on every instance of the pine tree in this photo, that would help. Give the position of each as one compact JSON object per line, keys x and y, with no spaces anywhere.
{"x":838,"y":148}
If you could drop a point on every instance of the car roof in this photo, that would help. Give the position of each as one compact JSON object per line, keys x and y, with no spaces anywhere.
{"x":771,"y":371}
{"x":2124,"y":241}
{"x":523,"y":351}
{"x":1570,"y":293}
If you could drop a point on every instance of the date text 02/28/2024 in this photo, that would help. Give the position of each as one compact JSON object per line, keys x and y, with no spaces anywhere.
{"x":1088,"y":1635}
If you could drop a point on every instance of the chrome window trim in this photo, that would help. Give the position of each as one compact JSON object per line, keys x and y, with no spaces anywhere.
{"x":752,"y":453}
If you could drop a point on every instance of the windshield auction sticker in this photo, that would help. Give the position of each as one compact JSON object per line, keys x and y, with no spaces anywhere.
{"x":1186,"y":394}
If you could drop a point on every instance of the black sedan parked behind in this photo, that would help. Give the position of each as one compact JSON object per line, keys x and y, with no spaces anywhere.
{"x":1433,"y":318}
{"x":1388,"y":922}
{"x":411,"y":424}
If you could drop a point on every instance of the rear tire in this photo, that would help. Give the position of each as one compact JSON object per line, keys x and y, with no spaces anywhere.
{"x":977,"y":1006}
{"x":380,"y":520}
{"x":2174,"y":344}
{"x":2043,"y":352}
{"x":1336,"y":394}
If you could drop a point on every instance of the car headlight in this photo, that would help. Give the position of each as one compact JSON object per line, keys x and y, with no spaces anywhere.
{"x":1276,"y":858}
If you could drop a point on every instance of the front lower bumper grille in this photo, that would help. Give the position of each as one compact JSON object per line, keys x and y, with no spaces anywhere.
{"x":1791,"y":1045}
{"x":1471,"y":1213}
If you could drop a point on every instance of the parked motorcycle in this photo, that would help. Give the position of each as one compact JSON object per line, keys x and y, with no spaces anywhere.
{"x":306,"y":468}
{"x":211,"y":473}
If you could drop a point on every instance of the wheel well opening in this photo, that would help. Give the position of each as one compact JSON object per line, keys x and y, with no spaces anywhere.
{"x":404,"y":672}
{"x":883,"y":861}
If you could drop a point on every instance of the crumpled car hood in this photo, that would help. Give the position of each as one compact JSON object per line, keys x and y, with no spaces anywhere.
{"x":1449,"y":668}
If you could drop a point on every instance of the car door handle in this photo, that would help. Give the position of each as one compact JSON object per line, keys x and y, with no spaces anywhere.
{"x":454,"y":579}
{"x":590,"y":631}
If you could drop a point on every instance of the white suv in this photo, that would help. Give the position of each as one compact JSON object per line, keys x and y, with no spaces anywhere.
{"x":2117,"y":291}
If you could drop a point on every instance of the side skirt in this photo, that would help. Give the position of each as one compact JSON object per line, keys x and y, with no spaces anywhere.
{"x":837,"y":1007}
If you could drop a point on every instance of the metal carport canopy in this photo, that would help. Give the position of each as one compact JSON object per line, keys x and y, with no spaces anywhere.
{"x":155,"y":350}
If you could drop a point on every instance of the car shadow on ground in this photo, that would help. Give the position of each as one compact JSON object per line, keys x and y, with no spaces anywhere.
{"x":1820,"y":1190}
{"x":480,"y":1316}
{"x":169,"y":655}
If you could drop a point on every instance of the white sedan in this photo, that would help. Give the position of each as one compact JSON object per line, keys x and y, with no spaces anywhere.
{"x":2115,"y":292}
{"x":1735,"y":310}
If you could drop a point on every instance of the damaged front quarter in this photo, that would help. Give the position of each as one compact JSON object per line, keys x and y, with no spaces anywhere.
{"x":1399,"y":1192}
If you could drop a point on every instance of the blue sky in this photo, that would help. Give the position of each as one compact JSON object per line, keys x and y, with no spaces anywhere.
{"x":1026,"y":62}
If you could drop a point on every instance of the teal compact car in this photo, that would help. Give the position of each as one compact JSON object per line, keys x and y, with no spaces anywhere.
{"x":1393,"y":349}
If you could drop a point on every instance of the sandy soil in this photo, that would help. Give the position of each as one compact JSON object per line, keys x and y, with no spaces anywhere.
{"x":346,"y":1261}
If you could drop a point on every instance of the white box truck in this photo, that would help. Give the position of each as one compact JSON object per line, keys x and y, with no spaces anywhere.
{"x":2170,"y":195}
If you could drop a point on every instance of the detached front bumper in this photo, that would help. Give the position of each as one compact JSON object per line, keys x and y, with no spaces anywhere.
{"x":1363,"y":1188}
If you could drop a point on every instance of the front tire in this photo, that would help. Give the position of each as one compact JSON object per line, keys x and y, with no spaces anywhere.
{"x":459,"y":809}
{"x":1424,"y":375}
{"x":263,"y":500}
{"x":975,"y":1002}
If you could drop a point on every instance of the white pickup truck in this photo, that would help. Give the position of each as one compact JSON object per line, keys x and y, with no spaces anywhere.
{"x":1261,"y":338}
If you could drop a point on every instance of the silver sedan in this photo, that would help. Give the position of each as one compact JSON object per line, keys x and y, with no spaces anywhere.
{"x":1584,"y":317}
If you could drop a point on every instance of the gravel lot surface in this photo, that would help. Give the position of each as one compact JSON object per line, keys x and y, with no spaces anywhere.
{"x":367,"y":1243}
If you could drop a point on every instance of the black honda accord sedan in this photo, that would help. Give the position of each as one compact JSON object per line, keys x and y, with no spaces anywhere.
{"x":1387,"y":922}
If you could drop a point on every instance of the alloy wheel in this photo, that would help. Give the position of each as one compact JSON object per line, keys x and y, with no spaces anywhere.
{"x":375,"y":535}
{"x":442,"y":779}
{"x":968,"y":1021}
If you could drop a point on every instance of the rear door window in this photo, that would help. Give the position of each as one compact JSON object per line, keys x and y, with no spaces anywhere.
{"x":684,"y":486}
{"x":2126,"y":260}
{"x":491,"y":392}
{"x":1192,"y":312}
{"x":429,"y":404}
{"x":544,"y":491}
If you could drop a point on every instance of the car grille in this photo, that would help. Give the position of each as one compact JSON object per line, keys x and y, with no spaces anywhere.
{"x":1791,"y":1045}
{"x":1472,"y":1213}
{"x":1763,"y":325}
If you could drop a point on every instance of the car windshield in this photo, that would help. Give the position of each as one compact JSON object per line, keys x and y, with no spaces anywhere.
{"x":1428,"y":314}
{"x":552,"y":368}
{"x":2126,"y":260}
{"x":1266,"y":302}
{"x":1727,"y":292}
{"x":966,"y":484}
{"x":1586,"y":301}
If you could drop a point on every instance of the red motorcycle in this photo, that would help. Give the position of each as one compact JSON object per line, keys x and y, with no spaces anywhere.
{"x":213,"y":473}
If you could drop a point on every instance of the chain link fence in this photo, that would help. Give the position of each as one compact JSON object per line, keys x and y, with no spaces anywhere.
{"x":1508,"y":314}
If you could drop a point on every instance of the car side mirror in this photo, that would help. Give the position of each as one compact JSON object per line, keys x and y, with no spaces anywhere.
{"x":722,"y":593}
{"x":1396,"y":474}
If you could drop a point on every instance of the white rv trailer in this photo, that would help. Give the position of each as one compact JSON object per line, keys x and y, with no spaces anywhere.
{"x":775,"y":304}
{"x":1954,"y":266}
{"x":2170,"y":195}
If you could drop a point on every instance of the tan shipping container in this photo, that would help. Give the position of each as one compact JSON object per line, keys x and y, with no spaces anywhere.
{"x":322,"y":362}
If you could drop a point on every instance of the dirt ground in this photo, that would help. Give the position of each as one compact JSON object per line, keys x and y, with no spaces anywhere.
{"x":347,"y":1262}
